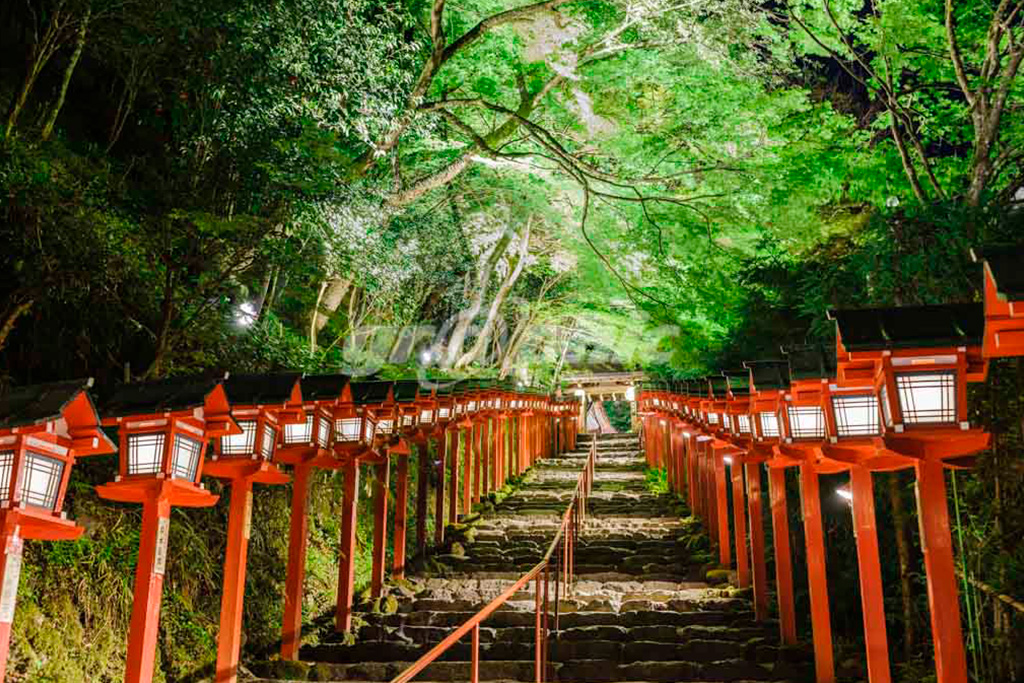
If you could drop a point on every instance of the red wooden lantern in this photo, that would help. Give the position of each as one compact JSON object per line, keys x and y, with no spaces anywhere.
{"x":1004,"y":301}
{"x":919,"y":360}
{"x":306,"y":445}
{"x":163,"y":428}
{"x":262,"y":406}
{"x":737,"y":407}
{"x":43,"y":428}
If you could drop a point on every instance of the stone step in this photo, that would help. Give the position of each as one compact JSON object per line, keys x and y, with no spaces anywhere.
{"x":584,"y":671}
{"x":639,"y":610}
{"x":690,"y":650}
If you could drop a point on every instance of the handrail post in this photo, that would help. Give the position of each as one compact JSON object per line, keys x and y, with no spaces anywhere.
{"x":544,"y":638}
{"x":536,"y":635}
{"x":474,"y":672}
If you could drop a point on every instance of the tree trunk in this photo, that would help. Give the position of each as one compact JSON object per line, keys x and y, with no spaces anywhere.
{"x":124,"y":108}
{"x":40,"y":54}
{"x":313,"y":319}
{"x":8,"y":325}
{"x":337,"y":288}
{"x":51,"y":118}
{"x":499,"y":299}
{"x":488,"y":260}
{"x":908,"y":164}
{"x":899,"y":518}
{"x":515,"y":342}
{"x":164,"y":333}
{"x":264,"y":290}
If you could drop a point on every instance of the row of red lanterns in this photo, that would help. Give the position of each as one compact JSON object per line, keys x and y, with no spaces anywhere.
{"x":892,"y":395}
{"x":255,"y":422}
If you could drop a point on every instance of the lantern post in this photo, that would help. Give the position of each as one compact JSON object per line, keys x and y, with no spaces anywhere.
{"x":163,"y":428}
{"x":306,"y":446}
{"x":406,"y":394}
{"x":919,"y":360}
{"x":353,"y":437}
{"x":768,"y":382}
{"x":803,"y":419}
{"x":718,"y":449}
{"x":737,"y":417}
{"x":261,"y":405}
{"x":379,"y":402}
{"x":43,"y":429}
{"x":421,"y":434}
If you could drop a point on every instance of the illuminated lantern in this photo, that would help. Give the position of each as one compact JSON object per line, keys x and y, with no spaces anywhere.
{"x":1004,"y":301}
{"x":306,"y":445}
{"x":919,"y":360}
{"x":163,"y":428}
{"x":406,"y":397}
{"x":43,"y":428}
{"x":737,"y":407}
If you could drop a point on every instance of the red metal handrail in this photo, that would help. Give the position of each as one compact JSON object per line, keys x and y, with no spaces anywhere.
{"x":568,"y":532}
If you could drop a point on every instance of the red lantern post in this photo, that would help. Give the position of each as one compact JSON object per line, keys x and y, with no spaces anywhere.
{"x":163,"y":428}
{"x":919,"y":361}
{"x":353,"y":436}
{"x":261,"y":405}
{"x":804,"y":421}
{"x":768,"y":382}
{"x":43,"y":429}
{"x":306,"y":446}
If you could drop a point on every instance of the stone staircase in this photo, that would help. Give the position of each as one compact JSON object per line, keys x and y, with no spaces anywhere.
{"x":639,"y":611}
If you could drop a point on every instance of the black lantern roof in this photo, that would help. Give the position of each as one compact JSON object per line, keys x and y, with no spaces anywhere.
{"x":38,"y":403}
{"x":248,"y":390}
{"x":810,"y":362}
{"x":738,"y":381}
{"x":718,"y":384}
{"x":177,"y":393}
{"x":445,"y":388}
{"x":872,"y":329}
{"x":370,"y":392}
{"x":407,"y":390}
{"x":1006,"y":263}
{"x":323,"y":387}
{"x":768,"y":374}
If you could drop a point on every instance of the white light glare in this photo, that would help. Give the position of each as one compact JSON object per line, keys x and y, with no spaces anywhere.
{"x":425,"y":357}
{"x":845,"y":493}
{"x":246,"y":314}
{"x":630,"y":393}
{"x":728,"y":460}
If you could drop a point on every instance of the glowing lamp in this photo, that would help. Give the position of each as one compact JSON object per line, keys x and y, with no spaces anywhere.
{"x":263,"y":407}
{"x":737,"y":405}
{"x":916,"y":361}
{"x":407,"y":396}
{"x":769,"y":381}
{"x":803,"y":414}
